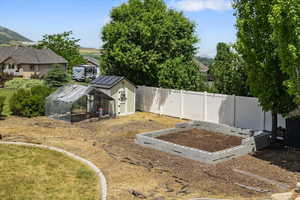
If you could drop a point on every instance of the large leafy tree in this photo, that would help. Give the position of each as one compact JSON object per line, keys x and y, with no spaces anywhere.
{"x":229,"y":71}
{"x":285,"y":19}
{"x":64,"y":45}
{"x":145,"y":40}
{"x":258,"y":49}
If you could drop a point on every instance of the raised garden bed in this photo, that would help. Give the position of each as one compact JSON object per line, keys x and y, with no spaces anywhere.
{"x":203,"y":140}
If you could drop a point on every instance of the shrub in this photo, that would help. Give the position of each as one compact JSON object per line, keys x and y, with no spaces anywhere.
{"x":56,"y":77}
{"x":2,"y":100}
{"x":5,"y":77}
{"x":30,"y":102}
{"x":35,"y":76}
{"x":21,"y":83}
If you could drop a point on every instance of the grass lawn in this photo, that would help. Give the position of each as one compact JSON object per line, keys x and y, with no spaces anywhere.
{"x":8,"y":94}
{"x":33,"y":173}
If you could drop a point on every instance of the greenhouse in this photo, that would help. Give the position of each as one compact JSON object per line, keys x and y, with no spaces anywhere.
{"x":74,"y":103}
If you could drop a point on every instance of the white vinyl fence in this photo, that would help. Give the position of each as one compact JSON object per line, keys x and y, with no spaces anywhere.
{"x":242,"y":112}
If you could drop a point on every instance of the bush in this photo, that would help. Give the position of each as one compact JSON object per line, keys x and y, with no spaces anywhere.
{"x":2,"y":100}
{"x":56,"y":77}
{"x":21,"y":83}
{"x":35,"y":76}
{"x":30,"y":102}
{"x":5,"y":77}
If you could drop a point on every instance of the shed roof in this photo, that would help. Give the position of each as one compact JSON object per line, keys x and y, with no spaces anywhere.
{"x":107,"y":82}
{"x":29,"y":55}
{"x":71,"y":93}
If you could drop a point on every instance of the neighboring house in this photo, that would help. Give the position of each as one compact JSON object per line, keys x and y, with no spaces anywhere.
{"x":120,"y":89}
{"x":204,"y":70}
{"x":27,"y":61}
{"x":91,"y":61}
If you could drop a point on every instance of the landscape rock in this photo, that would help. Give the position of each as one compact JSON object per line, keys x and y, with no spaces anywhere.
{"x":297,"y":188}
{"x":137,"y":194}
{"x":282,"y":196}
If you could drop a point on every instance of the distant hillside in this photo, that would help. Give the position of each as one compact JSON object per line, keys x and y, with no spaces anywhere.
{"x":9,"y":37}
{"x":206,"y":61}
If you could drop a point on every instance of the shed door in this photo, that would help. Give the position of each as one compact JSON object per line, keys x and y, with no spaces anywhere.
{"x":122,"y":101}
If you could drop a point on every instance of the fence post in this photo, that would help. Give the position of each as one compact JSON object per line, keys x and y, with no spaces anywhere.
{"x":181,"y":104}
{"x":205,"y":106}
{"x":160,"y":102}
{"x":234,"y":110}
{"x":144,"y":98}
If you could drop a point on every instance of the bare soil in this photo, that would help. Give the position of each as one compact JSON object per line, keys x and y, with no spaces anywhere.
{"x":203,"y":140}
{"x":134,"y":172}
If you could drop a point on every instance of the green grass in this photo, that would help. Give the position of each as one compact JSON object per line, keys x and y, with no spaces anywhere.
{"x":31,"y":173}
{"x":8,"y":94}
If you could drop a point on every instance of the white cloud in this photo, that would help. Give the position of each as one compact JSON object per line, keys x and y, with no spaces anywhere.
{"x":198,"y":5}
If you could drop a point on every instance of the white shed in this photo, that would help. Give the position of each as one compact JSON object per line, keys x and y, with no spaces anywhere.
{"x":120,"y":89}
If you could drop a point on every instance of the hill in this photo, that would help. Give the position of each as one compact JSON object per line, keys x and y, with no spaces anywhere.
{"x":206,"y":61}
{"x":8,"y":36}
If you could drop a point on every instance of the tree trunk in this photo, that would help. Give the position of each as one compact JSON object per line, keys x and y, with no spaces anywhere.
{"x":274,"y":127}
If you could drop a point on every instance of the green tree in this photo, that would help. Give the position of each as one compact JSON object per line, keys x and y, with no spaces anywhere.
{"x":142,"y":38}
{"x":229,"y":72}
{"x":64,"y":45}
{"x":285,"y":19}
{"x":56,"y":77}
{"x":258,"y":49}
{"x":178,"y":74}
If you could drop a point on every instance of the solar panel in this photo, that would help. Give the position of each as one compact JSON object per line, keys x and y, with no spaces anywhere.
{"x":107,"y":81}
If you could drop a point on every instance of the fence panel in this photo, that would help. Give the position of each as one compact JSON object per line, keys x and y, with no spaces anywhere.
{"x":220,"y":109}
{"x":249,"y":114}
{"x":193,"y":105}
{"x":242,"y":112}
{"x":171,"y":102}
{"x":139,"y":98}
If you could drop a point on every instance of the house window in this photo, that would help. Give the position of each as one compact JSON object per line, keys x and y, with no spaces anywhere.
{"x":11,"y":66}
{"x":31,"y":67}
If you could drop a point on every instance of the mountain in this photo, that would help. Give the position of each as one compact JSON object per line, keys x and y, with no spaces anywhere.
{"x":8,"y":36}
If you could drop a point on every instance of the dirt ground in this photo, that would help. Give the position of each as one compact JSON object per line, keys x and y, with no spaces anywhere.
{"x":203,"y":140}
{"x":134,"y":172}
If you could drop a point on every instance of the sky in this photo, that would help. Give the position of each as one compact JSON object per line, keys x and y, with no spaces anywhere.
{"x":34,"y":18}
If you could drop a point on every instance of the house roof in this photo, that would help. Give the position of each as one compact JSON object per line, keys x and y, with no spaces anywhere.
{"x":107,"y":82}
{"x":29,"y":55}
{"x":91,"y":60}
{"x":71,"y":93}
{"x":203,"y":68}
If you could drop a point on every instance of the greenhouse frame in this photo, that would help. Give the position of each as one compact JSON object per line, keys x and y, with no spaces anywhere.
{"x":74,"y":103}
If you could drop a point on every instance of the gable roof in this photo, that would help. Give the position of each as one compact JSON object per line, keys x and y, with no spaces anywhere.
{"x":29,"y":55}
{"x":203,"y":68}
{"x":91,"y":60}
{"x":107,"y":82}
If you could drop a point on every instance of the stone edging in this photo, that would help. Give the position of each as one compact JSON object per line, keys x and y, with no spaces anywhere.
{"x":102,"y":180}
{"x":251,"y":141}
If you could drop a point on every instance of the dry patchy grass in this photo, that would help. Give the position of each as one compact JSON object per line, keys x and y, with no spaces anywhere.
{"x":33,"y":173}
{"x":127,"y":166}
